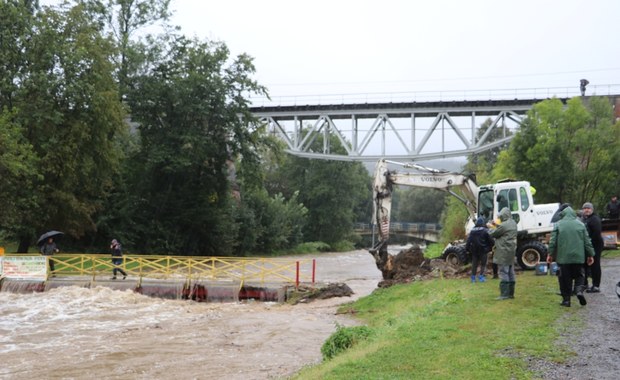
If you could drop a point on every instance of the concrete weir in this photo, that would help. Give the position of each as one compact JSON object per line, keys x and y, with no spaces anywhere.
{"x":200,"y":291}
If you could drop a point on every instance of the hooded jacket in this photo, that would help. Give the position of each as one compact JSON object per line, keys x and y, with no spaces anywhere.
{"x":505,"y":236}
{"x":570,"y":243}
{"x":594,"y":227}
{"x":479,"y":241}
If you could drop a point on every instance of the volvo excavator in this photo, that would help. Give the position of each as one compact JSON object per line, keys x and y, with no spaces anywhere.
{"x":533,"y":221}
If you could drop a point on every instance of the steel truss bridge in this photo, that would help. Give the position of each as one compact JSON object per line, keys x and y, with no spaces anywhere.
{"x":412,"y":131}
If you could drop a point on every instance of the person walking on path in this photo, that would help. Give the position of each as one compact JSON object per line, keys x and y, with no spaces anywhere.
{"x":48,"y":249}
{"x":569,"y":246}
{"x":594,"y":228}
{"x":479,"y":244}
{"x":613,"y":208}
{"x":505,"y":236}
{"x":117,"y":259}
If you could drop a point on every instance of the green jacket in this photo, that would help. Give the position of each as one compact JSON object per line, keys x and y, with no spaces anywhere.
{"x":505,"y":236}
{"x":570,"y":243}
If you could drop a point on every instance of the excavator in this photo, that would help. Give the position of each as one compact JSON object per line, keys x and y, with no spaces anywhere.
{"x":533,"y":221}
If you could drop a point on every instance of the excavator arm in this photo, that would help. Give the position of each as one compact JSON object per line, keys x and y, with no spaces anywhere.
{"x":421,"y":176}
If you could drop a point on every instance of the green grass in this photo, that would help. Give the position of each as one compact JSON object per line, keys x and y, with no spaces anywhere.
{"x":452,"y":329}
{"x":611,"y":253}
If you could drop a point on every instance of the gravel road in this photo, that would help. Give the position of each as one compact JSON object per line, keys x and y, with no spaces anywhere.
{"x":598,"y":352}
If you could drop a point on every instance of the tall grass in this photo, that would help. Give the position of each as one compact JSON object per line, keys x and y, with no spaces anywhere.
{"x":452,"y":329}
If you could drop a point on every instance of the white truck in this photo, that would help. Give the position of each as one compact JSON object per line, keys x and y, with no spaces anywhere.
{"x":533,"y":221}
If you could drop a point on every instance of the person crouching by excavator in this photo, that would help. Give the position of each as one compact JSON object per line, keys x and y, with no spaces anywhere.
{"x":117,"y":258}
{"x":479,"y":244}
{"x":505,"y":236}
{"x":569,"y":246}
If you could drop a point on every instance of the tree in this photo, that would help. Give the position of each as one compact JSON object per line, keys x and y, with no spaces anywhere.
{"x":335,"y":193}
{"x":268,"y":224}
{"x":597,"y":153}
{"x":124,"y":19}
{"x":482,"y":164}
{"x":269,"y":214}
{"x":191,"y":107}
{"x":331,"y":190}
{"x":65,"y":102}
{"x":569,"y":153}
{"x":18,"y":170}
{"x":419,"y":205}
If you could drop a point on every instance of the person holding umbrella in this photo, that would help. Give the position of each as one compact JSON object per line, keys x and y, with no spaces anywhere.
{"x":48,"y":249}
{"x":117,"y":258}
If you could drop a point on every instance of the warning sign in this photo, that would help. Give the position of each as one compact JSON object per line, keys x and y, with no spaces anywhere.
{"x":24,"y":267}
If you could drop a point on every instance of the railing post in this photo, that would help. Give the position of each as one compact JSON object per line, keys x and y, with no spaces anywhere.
{"x":167,"y":267}
{"x":313,"y":270}
{"x":297,"y":275}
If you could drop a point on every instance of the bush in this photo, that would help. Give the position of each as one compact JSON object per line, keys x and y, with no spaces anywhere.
{"x":342,"y":339}
{"x":343,"y":246}
{"x":311,"y":247}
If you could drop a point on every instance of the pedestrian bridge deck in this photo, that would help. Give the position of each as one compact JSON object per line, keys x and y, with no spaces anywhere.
{"x":176,"y":277}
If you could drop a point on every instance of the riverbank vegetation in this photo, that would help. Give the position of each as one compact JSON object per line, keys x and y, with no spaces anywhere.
{"x":449,"y":329}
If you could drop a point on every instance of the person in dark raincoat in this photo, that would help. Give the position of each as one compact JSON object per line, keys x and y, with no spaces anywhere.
{"x":479,"y":244}
{"x":582,"y":86}
{"x":505,"y":236}
{"x":613,"y":208}
{"x":117,"y":258}
{"x":594,"y":227}
{"x":569,"y":246}
{"x":48,"y":249}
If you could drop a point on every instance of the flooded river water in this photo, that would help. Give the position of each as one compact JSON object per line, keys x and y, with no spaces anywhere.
{"x":100,"y":333}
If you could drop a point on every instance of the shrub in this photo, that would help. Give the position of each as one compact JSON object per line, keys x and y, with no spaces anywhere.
{"x":342,"y":246}
{"x":311,"y":247}
{"x":342,"y":339}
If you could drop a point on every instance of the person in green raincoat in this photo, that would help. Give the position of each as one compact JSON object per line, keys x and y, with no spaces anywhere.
{"x":569,"y":246}
{"x":505,"y":235}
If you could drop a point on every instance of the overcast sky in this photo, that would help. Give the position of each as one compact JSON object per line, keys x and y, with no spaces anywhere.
{"x":391,"y":46}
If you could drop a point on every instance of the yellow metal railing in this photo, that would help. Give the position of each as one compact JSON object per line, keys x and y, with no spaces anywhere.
{"x":194,"y":268}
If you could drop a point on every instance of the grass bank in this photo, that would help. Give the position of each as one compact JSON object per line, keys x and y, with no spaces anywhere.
{"x":452,"y":329}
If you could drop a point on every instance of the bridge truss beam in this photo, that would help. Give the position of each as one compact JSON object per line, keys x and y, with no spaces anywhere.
{"x":400,"y":131}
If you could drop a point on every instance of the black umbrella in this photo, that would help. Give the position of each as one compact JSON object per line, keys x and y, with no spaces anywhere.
{"x":47,"y":235}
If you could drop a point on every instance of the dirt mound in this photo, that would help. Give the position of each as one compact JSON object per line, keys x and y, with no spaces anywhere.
{"x":411,"y":265}
{"x":305,"y":294}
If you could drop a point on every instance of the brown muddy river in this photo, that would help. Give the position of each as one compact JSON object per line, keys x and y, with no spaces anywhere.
{"x":100,"y":333}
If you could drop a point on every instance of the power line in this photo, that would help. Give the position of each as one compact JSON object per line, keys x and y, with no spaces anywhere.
{"x":445,"y":79}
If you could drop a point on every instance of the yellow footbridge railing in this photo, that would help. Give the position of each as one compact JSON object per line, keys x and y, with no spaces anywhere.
{"x":193,"y":268}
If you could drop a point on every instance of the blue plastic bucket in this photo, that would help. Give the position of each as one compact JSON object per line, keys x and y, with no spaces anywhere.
{"x":541,"y":269}
{"x":553,"y":269}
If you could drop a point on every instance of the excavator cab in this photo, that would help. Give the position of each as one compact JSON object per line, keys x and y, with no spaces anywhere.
{"x":513,"y":195}
{"x":485,"y":205}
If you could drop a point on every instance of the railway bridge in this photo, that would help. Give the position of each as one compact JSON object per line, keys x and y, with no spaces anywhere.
{"x":410,"y":129}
